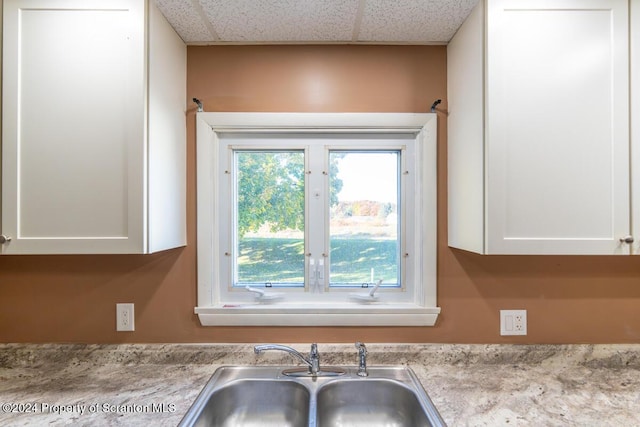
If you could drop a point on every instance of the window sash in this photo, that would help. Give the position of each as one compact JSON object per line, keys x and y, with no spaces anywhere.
{"x":365,"y":280}
{"x":317,"y":148}
{"x":270,"y":277}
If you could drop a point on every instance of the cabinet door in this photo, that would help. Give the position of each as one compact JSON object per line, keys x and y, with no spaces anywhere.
{"x":73,"y":126}
{"x":557,"y":126}
{"x":635,"y":120}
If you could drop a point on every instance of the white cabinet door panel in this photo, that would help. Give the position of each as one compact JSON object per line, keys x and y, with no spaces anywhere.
{"x":72,"y":178}
{"x":557,"y":126}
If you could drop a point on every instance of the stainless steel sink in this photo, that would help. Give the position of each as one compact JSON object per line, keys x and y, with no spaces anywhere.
{"x":256,"y":403}
{"x":263,"y":396}
{"x":369,"y":403}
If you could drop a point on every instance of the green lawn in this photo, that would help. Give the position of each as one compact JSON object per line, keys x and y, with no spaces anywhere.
{"x":271,"y":260}
{"x":282,"y":260}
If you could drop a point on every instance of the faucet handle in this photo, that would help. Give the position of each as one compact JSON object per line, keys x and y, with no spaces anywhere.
{"x":314,"y":359}
{"x":361,"y":347}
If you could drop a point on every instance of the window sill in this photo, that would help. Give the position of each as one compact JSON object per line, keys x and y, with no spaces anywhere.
{"x":345,"y":314}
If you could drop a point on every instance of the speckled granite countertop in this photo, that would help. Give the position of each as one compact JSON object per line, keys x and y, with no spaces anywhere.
{"x":471,"y":385}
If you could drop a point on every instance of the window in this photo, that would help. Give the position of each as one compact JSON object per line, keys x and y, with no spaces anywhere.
{"x":316,"y":219}
{"x":366,"y":215}
{"x":266,"y":219}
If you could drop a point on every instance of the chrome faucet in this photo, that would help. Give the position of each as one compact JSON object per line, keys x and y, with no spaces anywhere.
{"x":362,"y":359}
{"x":313,"y":362}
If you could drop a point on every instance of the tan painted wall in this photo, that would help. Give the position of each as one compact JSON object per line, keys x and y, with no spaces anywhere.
{"x":72,"y":298}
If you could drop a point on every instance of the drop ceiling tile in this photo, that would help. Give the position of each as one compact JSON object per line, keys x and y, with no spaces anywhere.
{"x":186,"y":20}
{"x":413,"y":21}
{"x":282,"y":20}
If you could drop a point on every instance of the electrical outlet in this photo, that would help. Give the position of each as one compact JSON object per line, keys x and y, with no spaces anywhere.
{"x":125,"y":317}
{"x":513,"y":322}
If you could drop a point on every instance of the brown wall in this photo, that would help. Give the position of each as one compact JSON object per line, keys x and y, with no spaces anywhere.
{"x":72,"y":298}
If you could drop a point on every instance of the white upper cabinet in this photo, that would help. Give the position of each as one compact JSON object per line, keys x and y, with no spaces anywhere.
{"x":538,"y":131}
{"x":93,"y":128}
{"x":635,"y":120}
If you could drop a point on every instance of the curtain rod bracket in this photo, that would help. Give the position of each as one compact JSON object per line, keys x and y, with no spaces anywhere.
{"x":199,"y":104}
{"x":435,"y":104}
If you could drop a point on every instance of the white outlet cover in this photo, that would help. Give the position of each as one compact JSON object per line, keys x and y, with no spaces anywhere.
{"x":125,"y":317}
{"x":513,"y":322}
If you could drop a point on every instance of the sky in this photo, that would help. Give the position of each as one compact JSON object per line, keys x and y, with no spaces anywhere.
{"x":368,"y":176}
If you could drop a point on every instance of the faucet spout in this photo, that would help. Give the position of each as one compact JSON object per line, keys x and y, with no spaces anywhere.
{"x":313,"y":362}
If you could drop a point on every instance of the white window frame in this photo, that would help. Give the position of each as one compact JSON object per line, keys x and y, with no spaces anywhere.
{"x":420,"y":309}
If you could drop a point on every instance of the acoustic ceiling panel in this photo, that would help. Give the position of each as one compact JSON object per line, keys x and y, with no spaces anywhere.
{"x":187,"y":21}
{"x":316,"y":21}
{"x":413,"y":21}
{"x":281,"y":20}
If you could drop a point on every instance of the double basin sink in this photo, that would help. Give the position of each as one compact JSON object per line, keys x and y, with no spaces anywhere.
{"x":263,"y":396}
